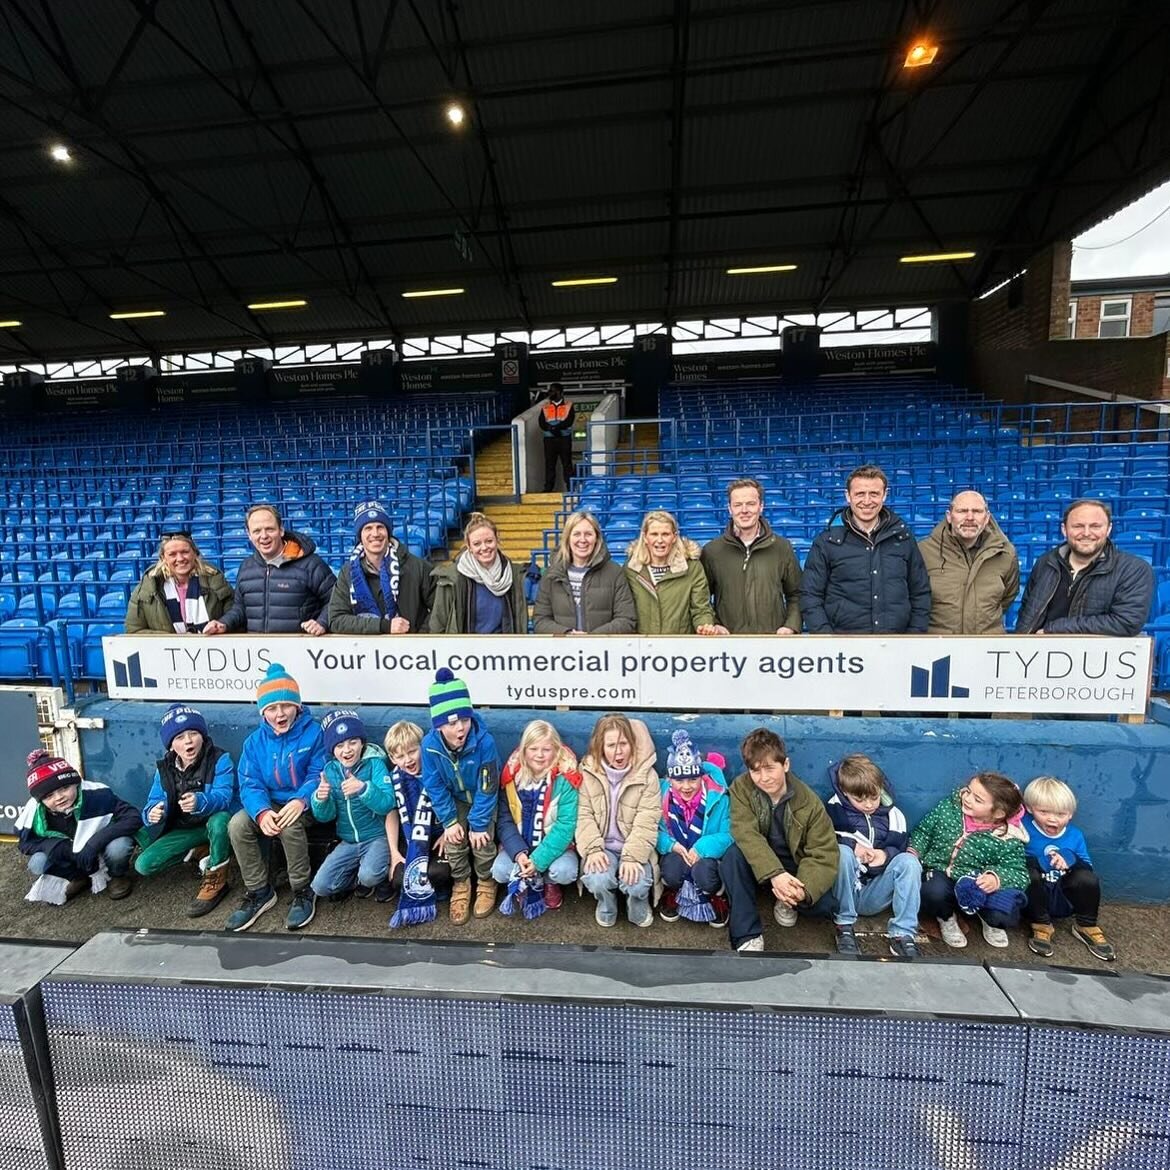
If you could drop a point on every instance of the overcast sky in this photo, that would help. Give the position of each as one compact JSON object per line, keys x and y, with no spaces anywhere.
{"x":1135,"y":242}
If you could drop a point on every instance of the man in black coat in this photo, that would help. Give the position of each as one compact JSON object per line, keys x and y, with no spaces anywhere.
{"x":557,"y":418}
{"x":1087,"y":585}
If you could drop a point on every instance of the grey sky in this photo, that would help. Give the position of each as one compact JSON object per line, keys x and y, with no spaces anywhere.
{"x":1146,"y":253}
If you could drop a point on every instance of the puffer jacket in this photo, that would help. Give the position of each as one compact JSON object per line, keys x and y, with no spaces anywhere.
{"x":276,"y":599}
{"x":606,"y":599}
{"x":211,"y":777}
{"x":415,"y":589}
{"x":275,"y":769}
{"x":639,"y":804}
{"x":807,"y":831}
{"x":943,"y":843}
{"x":451,"y":611}
{"x":855,"y":584}
{"x":885,"y":828}
{"x":756,"y":586}
{"x":361,"y":817}
{"x":681,"y":602}
{"x":970,"y":596}
{"x":1113,"y":600}
{"x":148,"y":604}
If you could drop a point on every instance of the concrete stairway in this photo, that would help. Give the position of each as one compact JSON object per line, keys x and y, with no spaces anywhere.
{"x":521,"y":525}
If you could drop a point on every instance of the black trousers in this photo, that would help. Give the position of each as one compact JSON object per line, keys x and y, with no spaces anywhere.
{"x":557,"y":447}
{"x":938,"y":901}
{"x":1077,"y":892}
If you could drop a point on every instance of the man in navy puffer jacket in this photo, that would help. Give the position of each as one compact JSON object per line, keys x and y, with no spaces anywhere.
{"x":864,"y":573}
{"x":283,"y":587}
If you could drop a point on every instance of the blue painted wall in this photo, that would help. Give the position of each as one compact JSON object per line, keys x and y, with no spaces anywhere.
{"x":1120,"y":773}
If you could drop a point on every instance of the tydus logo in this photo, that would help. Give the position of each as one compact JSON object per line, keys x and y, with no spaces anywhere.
{"x":935,"y":683}
{"x":129,"y":674}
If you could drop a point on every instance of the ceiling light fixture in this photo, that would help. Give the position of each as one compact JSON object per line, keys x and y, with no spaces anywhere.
{"x":59,"y":152}
{"x":919,"y":54}
{"x":760,"y":268}
{"x":580,"y":281}
{"x":936,"y":257}
{"x":415,"y":294}
{"x":265,"y":306}
{"x":137,"y":314}
{"x":455,"y":113}
{"x":10,"y":324}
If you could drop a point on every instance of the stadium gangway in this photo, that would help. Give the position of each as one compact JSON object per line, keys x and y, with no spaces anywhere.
{"x":490,"y":429}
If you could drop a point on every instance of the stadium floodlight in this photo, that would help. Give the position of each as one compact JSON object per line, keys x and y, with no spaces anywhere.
{"x":10,"y":324}
{"x":936,"y":257}
{"x":455,"y":114}
{"x":137,"y":314}
{"x":267,"y":306}
{"x":59,"y":152}
{"x":920,"y":53}
{"x":415,"y":294}
{"x":761,"y":268}
{"x":581,"y":281}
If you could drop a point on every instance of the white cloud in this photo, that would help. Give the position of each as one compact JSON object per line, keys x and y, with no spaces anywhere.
{"x":1134,"y":242}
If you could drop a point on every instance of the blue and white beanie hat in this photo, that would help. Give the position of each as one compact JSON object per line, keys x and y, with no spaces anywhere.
{"x":177,"y":719}
{"x":338,"y":726}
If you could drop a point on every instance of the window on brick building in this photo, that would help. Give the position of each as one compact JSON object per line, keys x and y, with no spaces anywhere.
{"x":1162,"y":313}
{"x":1072,"y":318}
{"x":1114,"y":318}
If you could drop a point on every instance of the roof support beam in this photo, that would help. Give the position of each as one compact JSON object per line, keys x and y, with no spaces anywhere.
{"x":681,"y":31}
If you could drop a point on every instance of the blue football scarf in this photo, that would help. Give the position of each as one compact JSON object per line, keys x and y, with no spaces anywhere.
{"x":527,"y":894}
{"x":416,"y":903}
{"x":361,"y":598}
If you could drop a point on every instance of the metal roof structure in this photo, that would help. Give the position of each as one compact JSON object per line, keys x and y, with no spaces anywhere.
{"x":228,"y":151}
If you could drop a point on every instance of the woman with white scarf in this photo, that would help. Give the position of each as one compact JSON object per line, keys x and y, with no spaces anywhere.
{"x":480,"y":591}
{"x":180,"y":593}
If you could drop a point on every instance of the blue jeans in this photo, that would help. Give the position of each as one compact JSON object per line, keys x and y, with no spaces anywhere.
{"x":603,"y":887}
{"x":116,"y":856}
{"x":898,"y":885}
{"x":562,"y":871}
{"x":367,"y":861}
{"x":704,"y":873}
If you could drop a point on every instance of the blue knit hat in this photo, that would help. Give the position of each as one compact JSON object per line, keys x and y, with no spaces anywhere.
{"x":277,"y":686}
{"x":683,"y":761}
{"x":340,"y":725}
{"x":450,"y":700}
{"x":371,"y":512}
{"x":179,"y":718}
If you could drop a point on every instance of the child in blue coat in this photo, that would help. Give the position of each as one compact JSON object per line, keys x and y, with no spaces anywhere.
{"x":461,"y":777}
{"x":694,"y":833}
{"x":355,"y":792}
{"x":190,"y":806}
{"x":280,"y":766}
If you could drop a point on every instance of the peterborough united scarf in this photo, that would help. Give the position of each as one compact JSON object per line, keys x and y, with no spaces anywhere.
{"x":416,"y":903}
{"x":684,"y":822}
{"x":360,"y":596}
{"x":49,"y":887}
{"x":527,"y":894}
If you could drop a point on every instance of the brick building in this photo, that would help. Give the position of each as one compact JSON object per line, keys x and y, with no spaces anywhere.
{"x":1125,"y":306}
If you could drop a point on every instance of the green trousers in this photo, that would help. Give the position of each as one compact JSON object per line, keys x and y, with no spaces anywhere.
{"x":172,"y":847}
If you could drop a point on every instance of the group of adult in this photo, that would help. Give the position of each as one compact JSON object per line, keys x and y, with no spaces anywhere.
{"x":864,"y":574}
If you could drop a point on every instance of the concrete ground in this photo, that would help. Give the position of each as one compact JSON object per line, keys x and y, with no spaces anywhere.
{"x":1141,"y":933}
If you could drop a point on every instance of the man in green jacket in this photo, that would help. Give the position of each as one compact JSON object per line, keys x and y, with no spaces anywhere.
{"x":753,"y":572}
{"x":973,"y":567}
{"x":783,"y":840}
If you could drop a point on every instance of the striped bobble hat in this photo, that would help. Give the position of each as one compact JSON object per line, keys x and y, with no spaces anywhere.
{"x":450,"y":700}
{"x":277,"y":686}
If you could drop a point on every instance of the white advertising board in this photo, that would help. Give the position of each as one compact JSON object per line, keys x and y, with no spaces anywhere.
{"x":1036,"y":674}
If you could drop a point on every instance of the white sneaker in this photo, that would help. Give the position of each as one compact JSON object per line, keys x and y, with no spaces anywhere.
{"x":751,"y":944}
{"x":951,"y":934}
{"x":994,"y":936}
{"x":784,"y":915}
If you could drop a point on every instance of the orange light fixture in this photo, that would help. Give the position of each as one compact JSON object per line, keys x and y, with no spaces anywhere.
{"x":919,"y":54}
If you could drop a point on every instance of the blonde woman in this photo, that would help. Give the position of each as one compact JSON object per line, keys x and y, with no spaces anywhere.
{"x":480,"y":591}
{"x":617,"y":823}
{"x":670,"y":588}
{"x":180,"y":593}
{"x":584,"y":591}
{"x":538,"y":816}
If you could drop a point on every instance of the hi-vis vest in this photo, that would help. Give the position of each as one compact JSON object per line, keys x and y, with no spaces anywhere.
{"x":554,"y":413}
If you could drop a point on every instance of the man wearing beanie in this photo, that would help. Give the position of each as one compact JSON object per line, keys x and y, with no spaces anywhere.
{"x":191,"y":802}
{"x":280,"y":766}
{"x":461,"y":776}
{"x":75,"y":833}
{"x":283,"y":587}
{"x":381,"y":589}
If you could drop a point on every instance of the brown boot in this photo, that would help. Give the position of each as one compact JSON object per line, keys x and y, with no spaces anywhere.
{"x":485,"y":897}
{"x":212,"y":891}
{"x":460,"y":901}
{"x":118,"y":888}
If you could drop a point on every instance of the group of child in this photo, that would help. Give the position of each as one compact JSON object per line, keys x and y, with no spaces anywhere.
{"x":416,"y":818}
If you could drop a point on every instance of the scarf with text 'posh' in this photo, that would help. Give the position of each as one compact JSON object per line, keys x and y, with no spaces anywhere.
{"x":527,"y":894}
{"x":360,"y":595}
{"x":416,"y":903}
